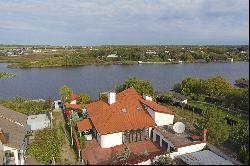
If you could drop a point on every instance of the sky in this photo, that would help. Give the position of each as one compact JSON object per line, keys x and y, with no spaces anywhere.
{"x":98,"y":22}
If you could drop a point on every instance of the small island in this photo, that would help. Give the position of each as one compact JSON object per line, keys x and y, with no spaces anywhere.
{"x":6,"y":75}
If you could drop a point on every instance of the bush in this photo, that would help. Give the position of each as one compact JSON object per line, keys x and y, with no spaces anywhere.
{"x":47,"y":144}
{"x":215,"y":123}
{"x":27,"y":107}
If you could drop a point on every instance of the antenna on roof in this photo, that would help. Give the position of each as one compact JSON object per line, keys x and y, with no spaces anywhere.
{"x":179,"y":127}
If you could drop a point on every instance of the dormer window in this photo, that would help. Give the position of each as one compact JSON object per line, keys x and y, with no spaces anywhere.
{"x":124,"y":110}
{"x":138,"y":108}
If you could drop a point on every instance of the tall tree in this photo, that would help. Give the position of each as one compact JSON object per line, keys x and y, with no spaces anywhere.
{"x":83,"y":99}
{"x":141,"y":86}
{"x":218,"y":87}
{"x":65,"y":93}
{"x":215,"y":123}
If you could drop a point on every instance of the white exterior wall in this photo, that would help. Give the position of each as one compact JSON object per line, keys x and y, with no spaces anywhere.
{"x":148,"y":162}
{"x":15,"y":151}
{"x":110,"y":140}
{"x":188,"y":149}
{"x":73,"y":102}
{"x":161,"y":118}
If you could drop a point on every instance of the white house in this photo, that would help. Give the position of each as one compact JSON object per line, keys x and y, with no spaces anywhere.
{"x":12,"y":136}
{"x":38,"y":122}
{"x":128,"y":119}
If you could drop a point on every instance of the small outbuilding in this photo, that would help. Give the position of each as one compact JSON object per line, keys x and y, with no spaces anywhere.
{"x":37,"y":122}
{"x":179,"y":98}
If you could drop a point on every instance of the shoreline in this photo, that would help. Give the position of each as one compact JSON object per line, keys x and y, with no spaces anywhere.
{"x":16,"y":65}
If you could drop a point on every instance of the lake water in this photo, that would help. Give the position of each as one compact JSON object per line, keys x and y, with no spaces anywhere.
{"x":44,"y":82}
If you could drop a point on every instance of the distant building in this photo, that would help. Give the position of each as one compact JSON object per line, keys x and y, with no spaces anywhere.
{"x":179,"y":98}
{"x":37,"y":51}
{"x":112,"y":56}
{"x":151,"y":52}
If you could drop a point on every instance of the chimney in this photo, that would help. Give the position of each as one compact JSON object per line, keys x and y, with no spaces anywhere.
{"x":204,"y":135}
{"x":111,"y":97}
{"x":146,"y":97}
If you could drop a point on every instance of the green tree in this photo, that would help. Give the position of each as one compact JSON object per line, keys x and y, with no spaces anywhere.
{"x":218,"y":87}
{"x":167,"y":97}
{"x":215,"y":123}
{"x":141,"y":86}
{"x":83,"y":99}
{"x":238,"y":98}
{"x":165,"y":160}
{"x":240,"y":135}
{"x":190,"y":87}
{"x":65,"y":93}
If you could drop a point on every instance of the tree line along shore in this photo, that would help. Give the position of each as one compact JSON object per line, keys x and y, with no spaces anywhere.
{"x":52,"y":56}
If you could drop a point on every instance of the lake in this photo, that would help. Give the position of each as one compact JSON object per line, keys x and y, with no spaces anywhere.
{"x":38,"y":83}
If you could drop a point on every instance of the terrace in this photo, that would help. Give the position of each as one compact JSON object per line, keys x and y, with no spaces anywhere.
{"x":178,"y":140}
{"x":94,"y":154}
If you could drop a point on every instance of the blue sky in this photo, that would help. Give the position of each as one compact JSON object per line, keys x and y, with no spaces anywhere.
{"x":96,"y":22}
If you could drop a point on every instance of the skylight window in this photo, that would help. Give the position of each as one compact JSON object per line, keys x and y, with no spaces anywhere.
{"x":124,"y":110}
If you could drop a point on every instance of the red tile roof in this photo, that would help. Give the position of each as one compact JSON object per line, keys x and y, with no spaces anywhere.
{"x":110,"y":119}
{"x":74,"y":96}
{"x":84,"y":125}
{"x":72,"y":106}
{"x":156,"y":107}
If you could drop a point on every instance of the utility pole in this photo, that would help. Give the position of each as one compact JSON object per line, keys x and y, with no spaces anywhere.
{"x":71,"y":132}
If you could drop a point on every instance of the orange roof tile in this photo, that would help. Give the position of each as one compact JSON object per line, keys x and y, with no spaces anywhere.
{"x":156,"y":107}
{"x":84,"y":125}
{"x":72,"y":106}
{"x":74,"y":96}
{"x":110,"y":118}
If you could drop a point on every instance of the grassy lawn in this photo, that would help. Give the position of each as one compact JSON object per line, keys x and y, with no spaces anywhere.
{"x":234,"y":116}
{"x":189,"y":118}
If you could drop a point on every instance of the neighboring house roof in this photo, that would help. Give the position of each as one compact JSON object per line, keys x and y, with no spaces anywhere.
{"x":180,"y":96}
{"x":204,"y":157}
{"x":13,"y":115}
{"x":13,"y":126}
{"x":72,"y":106}
{"x":84,"y":124}
{"x":74,"y":96}
{"x":126,"y":113}
{"x":1,"y":153}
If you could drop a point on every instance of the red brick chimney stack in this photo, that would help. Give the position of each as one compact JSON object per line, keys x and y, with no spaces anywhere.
{"x":204,"y":135}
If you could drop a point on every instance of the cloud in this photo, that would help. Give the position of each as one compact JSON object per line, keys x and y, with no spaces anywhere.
{"x":125,"y":21}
